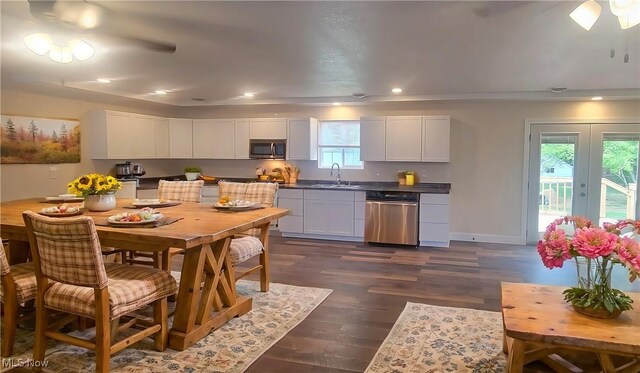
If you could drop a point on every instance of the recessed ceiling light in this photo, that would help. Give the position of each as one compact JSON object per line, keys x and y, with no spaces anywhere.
{"x":248,"y":94}
{"x":161,"y":92}
{"x":397,"y":90}
{"x":103,"y":80}
{"x":557,"y":89}
{"x":596,"y":98}
{"x":336,"y":104}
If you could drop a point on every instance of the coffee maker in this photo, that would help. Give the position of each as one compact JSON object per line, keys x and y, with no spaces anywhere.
{"x":137,"y":170}
{"x":124,"y":171}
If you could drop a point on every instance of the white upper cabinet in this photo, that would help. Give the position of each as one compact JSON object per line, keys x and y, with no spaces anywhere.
{"x":242,"y":138}
{"x":203,"y":137}
{"x":302,"y":141}
{"x":403,"y":139}
{"x":372,"y":139}
{"x":180,"y":138}
{"x":224,"y":143}
{"x":272,"y":129}
{"x":435,"y":139}
{"x":143,"y":137}
{"x":162,"y":137}
{"x":109,"y":134}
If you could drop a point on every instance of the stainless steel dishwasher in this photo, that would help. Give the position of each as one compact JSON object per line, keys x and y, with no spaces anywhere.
{"x":391,"y":218}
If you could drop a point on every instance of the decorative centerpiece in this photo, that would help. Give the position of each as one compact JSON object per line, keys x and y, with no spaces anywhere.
{"x":596,"y":250}
{"x":402,"y":177}
{"x":291,"y":173}
{"x":192,"y":172}
{"x":98,"y":191}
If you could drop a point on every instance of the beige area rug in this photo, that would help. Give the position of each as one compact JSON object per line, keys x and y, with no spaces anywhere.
{"x":232,"y":348}
{"x":442,"y":339}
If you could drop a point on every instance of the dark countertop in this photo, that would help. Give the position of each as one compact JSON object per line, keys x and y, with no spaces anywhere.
{"x":390,"y":186}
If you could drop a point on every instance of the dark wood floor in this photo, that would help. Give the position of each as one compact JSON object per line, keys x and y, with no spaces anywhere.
{"x":372,"y":284}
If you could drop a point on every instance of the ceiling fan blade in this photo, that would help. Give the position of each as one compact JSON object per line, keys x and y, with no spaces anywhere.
{"x":153,"y":45}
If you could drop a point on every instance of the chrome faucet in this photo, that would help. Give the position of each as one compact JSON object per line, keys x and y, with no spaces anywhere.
{"x":331,"y":174}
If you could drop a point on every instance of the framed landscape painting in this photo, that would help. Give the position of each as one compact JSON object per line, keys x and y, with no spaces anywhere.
{"x":39,"y":140}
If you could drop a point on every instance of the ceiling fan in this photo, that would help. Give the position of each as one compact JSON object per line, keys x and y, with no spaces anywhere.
{"x":85,"y":16}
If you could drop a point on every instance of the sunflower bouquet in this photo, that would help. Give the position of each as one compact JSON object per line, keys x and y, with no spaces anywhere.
{"x":94,"y":184}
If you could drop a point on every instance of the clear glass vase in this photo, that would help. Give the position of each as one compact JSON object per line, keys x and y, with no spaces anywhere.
{"x":594,"y":276}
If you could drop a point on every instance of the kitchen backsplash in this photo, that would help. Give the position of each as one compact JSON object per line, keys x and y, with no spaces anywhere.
{"x":373,"y":171}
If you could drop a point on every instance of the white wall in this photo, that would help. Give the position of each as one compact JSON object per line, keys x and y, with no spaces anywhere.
{"x":487,"y":145}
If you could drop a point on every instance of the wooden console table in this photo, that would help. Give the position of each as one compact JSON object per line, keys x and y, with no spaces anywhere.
{"x":538,"y":323}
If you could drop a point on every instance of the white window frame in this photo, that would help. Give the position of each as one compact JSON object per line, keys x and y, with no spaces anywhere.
{"x":320,"y":147}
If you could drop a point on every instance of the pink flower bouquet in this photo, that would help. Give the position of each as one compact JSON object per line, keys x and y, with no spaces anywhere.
{"x":595,"y":251}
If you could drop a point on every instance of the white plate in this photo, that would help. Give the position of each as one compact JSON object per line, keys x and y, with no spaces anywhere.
{"x":67,"y":195}
{"x":58,"y":198}
{"x":232,"y":204}
{"x":54,"y":210}
{"x":154,"y":218}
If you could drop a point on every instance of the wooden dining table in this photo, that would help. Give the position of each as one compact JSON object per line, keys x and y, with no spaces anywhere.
{"x":207,"y":296}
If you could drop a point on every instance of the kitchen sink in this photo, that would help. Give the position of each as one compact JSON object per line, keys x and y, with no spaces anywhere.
{"x":335,"y":186}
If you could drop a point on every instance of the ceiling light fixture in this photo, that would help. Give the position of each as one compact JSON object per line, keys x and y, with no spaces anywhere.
{"x":336,"y":104}
{"x":586,"y":14}
{"x":557,"y":89}
{"x":161,"y":92}
{"x":103,"y":80}
{"x":248,"y":94}
{"x":627,"y":11}
{"x":39,"y":43}
{"x":42,"y":44}
{"x":596,"y":98}
{"x":396,"y":90}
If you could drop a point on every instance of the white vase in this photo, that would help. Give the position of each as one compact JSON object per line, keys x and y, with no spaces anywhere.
{"x":100,"y":202}
{"x":191,"y":176}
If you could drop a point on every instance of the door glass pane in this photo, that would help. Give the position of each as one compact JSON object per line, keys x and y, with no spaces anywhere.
{"x":557,"y":161}
{"x":619,"y":184}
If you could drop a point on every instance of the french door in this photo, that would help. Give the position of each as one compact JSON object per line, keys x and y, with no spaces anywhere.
{"x":582,"y":169}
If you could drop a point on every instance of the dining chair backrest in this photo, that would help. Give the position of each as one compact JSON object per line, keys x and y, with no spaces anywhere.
{"x":4,"y":263}
{"x":263,"y":193}
{"x":66,"y":250}
{"x":185,"y":191}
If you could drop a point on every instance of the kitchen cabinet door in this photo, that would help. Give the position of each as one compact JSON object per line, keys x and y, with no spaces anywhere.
{"x":180,"y":138}
{"x":203,"y":138}
{"x":259,"y":129}
{"x":224,"y":142}
{"x":329,"y":212}
{"x":242,"y":138}
{"x":162,"y":137}
{"x":403,"y":139}
{"x":302,"y":140}
{"x":436,"y":139}
{"x":118,"y":128}
{"x":143,"y":137}
{"x":277,"y":129}
{"x":372,"y":139}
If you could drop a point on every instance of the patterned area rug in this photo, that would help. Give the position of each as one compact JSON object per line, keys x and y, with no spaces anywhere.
{"x":232,"y":348}
{"x":442,"y":339}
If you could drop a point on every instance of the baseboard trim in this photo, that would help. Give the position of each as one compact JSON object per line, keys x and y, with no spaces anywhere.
{"x":487,"y":238}
{"x":322,"y":237}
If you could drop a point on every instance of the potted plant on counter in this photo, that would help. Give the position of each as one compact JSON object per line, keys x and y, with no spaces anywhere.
{"x":192,"y":172}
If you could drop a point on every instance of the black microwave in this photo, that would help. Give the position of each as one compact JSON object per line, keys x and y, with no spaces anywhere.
{"x":267,"y":149}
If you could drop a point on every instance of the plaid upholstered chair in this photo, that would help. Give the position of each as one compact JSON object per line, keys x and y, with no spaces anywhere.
{"x":73,"y":278}
{"x":184,"y":191}
{"x":18,"y":287}
{"x":249,"y":246}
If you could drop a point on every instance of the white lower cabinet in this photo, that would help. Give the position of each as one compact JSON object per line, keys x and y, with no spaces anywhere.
{"x":291,"y":199}
{"x":147,"y":193}
{"x":329,"y":212}
{"x":358,"y":223}
{"x":434,"y":220}
{"x":209,"y":194}
{"x":128,"y":190}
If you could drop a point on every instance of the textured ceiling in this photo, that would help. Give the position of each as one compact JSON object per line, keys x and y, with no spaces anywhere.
{"x":319,"y":52}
